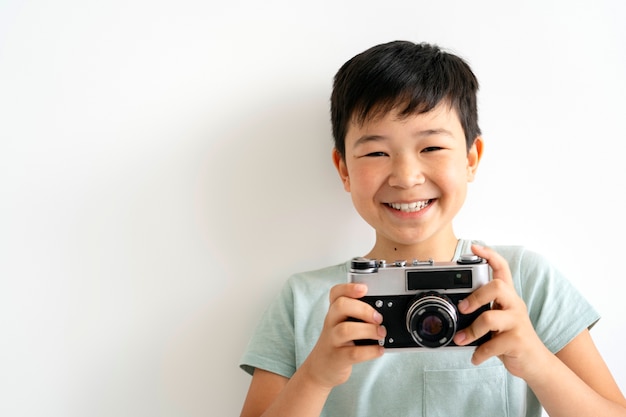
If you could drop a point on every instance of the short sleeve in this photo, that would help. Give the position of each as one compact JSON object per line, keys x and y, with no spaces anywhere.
{"x":272,"y":346}
{"x":558,"y":311}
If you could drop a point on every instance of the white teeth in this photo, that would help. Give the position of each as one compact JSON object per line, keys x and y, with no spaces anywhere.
{"x":410,"y":207}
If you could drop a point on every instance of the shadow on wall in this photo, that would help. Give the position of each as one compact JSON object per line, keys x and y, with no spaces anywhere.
{"x":269,"y":203}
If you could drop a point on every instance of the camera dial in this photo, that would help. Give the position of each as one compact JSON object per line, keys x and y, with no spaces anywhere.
{"x":468,"y":259}
{"x":363,"y":265}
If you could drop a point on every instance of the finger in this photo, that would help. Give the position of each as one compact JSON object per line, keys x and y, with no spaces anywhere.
{"x":498,"y":291}
{"x":496,"y":321}
{"x":497,"y":263}
{"x":351,"y":290}
{"x":345,"y":333}
{"x":497,"y":346}
{"x":344,"y":307}
{"x":356,"y":354}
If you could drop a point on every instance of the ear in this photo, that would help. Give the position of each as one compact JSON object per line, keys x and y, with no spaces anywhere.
{"x":342,"y":169}
{"x":473,"y":158}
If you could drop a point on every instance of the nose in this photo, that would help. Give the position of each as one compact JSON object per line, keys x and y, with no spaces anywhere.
{"x":406,"y":172}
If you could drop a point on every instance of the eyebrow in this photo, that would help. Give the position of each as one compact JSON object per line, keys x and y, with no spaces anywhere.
{"x":420,"y":134}
{"x":368,"y":138}
{"x":432,"y":132}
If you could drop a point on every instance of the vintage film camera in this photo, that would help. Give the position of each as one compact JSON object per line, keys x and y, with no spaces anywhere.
{"x":418,"y":300}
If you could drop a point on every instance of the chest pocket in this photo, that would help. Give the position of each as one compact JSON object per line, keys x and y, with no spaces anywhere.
{"x":476,"y":392}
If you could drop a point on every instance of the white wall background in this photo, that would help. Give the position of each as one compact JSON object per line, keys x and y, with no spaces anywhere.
{"x":164,"y":165}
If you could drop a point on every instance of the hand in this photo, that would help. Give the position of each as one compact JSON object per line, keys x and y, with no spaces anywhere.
{"x":330,"y":362}
{"x":514,"y":339}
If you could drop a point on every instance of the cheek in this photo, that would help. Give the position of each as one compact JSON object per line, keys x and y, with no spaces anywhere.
{"x":452,"y":177}
{"x":361,"y":178}
{"x":445,"y":172}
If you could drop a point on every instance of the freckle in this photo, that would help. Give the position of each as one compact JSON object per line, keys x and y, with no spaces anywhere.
{"x":395,"y":249}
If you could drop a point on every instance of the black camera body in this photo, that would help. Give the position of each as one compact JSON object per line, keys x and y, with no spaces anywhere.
{"x":418,"y":300}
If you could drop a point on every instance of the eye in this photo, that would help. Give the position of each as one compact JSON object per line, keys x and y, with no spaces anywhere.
{"x":376,"y":154}
{"x":432,"y":149}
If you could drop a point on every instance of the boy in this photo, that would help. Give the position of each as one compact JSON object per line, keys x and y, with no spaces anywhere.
{"x":407,"y":142}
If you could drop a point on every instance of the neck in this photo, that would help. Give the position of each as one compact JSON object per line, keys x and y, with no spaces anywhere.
{"x":440,"y":251}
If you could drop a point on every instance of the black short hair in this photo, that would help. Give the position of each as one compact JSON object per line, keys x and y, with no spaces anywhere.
{"x":402,"y":73}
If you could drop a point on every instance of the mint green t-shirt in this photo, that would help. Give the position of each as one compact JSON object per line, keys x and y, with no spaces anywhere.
{"x":428,"y":382}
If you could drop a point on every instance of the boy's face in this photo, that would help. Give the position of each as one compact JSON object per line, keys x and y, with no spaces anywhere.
{"x":408,"y":175}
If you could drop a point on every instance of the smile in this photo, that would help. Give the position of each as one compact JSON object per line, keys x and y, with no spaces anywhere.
{"x":410,"y":207}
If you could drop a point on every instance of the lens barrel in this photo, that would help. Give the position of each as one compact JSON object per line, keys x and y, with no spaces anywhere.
{"x":431,"y":319}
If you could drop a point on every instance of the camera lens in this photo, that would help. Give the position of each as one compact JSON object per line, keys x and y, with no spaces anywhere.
{"x":431,"y":326}
{"x":431,"y":320}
